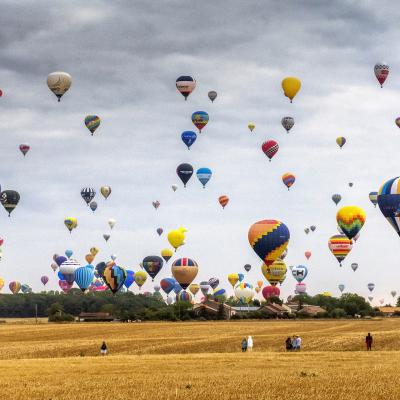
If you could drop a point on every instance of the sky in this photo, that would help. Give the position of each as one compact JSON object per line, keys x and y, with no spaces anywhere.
{"x":124,"y":58}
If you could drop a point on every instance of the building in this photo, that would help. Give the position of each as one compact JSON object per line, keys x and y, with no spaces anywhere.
{"x":95,"y":317}
{"x":211,"y":308}
{"x":388,"y":311}
{"x":274,"y":310}
{"x":311,"y":311}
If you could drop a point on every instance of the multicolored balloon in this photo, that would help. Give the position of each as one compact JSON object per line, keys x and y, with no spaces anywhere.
{"x":244,"y":292}
{"x":274,"y":273}
{"x":166,"y":254}
{"x":92,"y":122}
{"x":340,"y":246}
{"x":183,"y":296}
{"x":213,"y":282}
{"x":300,"y":273}
{"x":340,"y":141}
{"x":269,"y":239}
{"x":200,"y":119}
{"x":351,"y":219}
{"x":288,"y":179}
{"x":223,"y":200}
{"x":9,"y":199}
{"x":114,"y":277}
{"x":14,"y":287}
{"x":167,"y":285}
{"x":152,"y":265}
{"x":24,"y":148}
{"x":184,"y":270}
{"x":71,"y":223}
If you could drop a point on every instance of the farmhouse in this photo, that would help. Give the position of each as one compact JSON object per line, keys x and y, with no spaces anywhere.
{"x":388,"y":311}
{"x":95,"y":317}
{"x":211,"y":307}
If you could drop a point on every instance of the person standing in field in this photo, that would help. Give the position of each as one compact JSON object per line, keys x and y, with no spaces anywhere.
{"x":244,"y":345}
{"x":103,"y":349}
{"x":294,"y":343}
{"x":250,"y":343}
{"x":368,"y":342}
{"x":298,"y":343}
{"x":288,"y":344}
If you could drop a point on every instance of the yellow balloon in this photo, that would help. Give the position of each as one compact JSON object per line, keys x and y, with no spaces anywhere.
{"x":251,"y":126}
{"x":274,"y":273}
{"x":94,"y":251}
{"x":326,"y":294}
{"x":89,"y":258}
{"x":2,"y":282}
{"x":140,"y":278}
{"x":105,"y":191}
{"x":233,"y":279}
{"x":70,"y":223}
{"x":194,"y":288}
{"x":176,"y":237}
{"x":291,"y":86}
{"x":166,"y":254}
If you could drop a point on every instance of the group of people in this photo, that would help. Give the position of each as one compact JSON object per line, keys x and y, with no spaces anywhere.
{"x":247,"y":344}
{"x":293,"y":343}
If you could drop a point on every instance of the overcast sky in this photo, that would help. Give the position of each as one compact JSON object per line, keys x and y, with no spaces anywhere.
{"x":124,"y":58}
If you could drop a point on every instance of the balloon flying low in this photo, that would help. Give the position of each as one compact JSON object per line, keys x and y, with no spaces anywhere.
{"x":152,"y":265}
{"x":184,"y":270}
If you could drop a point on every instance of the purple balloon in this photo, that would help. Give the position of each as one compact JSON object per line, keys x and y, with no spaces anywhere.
{"x":44,"y":279}
{"x":60,"y":259}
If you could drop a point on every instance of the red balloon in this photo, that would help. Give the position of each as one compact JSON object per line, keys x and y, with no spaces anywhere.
{"x":65,"y":286}
{"x":1,"y":93}
{"x":270,"y":148}
{"x":1,"y":241}
{"x":307,"y":254}
{"x":270,"y":291}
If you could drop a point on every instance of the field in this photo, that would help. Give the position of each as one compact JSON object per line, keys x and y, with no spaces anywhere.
{"x":200,"y":360}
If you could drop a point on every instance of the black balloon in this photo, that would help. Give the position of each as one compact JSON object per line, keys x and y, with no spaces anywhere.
{"x":185,"y":172}
{"x":247,"y":267}
{"x":9,"y":199}
{"x":152,"y":265}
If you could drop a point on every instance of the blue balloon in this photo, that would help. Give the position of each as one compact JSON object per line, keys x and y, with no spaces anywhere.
{"x":177,"y":288}
{"x":130,"y":278}
{"x":188,"y":137}
{"x":83,"y":277}
{"x":167,"y":285}
{"x":241,"y":277}
{"x":204,"y":175}
{"x":61,"y":277}
{"x":69,"y":253}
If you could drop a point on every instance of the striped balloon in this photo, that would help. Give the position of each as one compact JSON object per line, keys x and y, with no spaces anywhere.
{"x":84,"y":277}
{"x":223,"y":200}
{"x":269,"y":239}
{"x":67,"y":269}
{"x":340,"y":246}
{"x":14,"y":287}
{"x":389,"y":202}
{"x":92,"y":122}
{"x":185,"y":85}
{"x":270,"y":148}
{"x":88,"y":194}
{"x":288,"y":179}
{"x":351,"y":219}
{"x":114,"y":277}
{"x":184,"y":270}
{"x":274,"y":273}
{"x":184,"y":296}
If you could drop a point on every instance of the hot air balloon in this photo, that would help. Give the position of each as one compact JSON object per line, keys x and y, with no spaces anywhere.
{"x":24,"y":148}
{"x":160,"y":231}
{"x":106,"y":236}
{"x":341,"y":141}
{"x":307,"y":230}
{"x":100,"y":267}
{"x":270,"y":291}
{"x":351,"y":184}
{"x":177,"y":288}
{"x":89,"y":258}
{"x":373,"y":197}
{"x":60,"y":259}
{"x":2,"y":283}
{"x":299,"y":273}
{"x":269,"y":239}
{"x":351,"y":219}
{"x":175,"y":187}
{"x":93,"y":206}
{"x":14,"y":287}
{"x":94,"y":251}
{"x":313,"y":228}
{"x":156,"y":204}
{"x":247,"y":267}
{"x":68,"y":253}
{"x":371,"y":286}
{"x":92,"y":122}
{"x":354,"y":266}
{"x":105,"y":191}
{"x":213,"y":282}
{"x":233,"y":279}
{"x":287,"y":123}
{"x":111,"y":223}
{"x":88,"y":194}
{"x":166,"y":254}
{"x":223,"y":200}
{"x":152,"y":265}
{"x":44,"y":279}
{"x":140,"y":278}
{"x":184,"y":271}
{"x":183,"y":296}
{"x":167,"y":285}
{"x":340,"y":246}
{"x":341,"y":287}
{"x":370,"y":298}
{"x":84,"y":277}
{"x":188,"y":137}
{"x":270,"y":148}
{"x":114,"y":277}
{"x":185,"y":85}
{"x":251,"y":126}
{"x":204,"y":287}
{"x":176,"y":237}
{"x":194,"y":288}
{"x":59,"y":83}
{"x":336,"y":198}
{"x":301,"y":288}
{"x":393,"y":293}
{"x":71,"y":223}
{"x":67,"y":269}
{"x":185,"y":172}
{"x":274,"y":273}
{"x":169,"y":300}
{"x":200,"y":119}
{"x":212,"y":95}
{"x":288,"y":179}
{"x":244,"y":292}
{"x":130,"y":278}
{"x":307,"y":254}
{"x":9,"y":199}
{"x":381,"y":72}
{"x":54,"y":267}
{"x":291,"y":86}
{"x":64,"y":285}
{"x":204,"y":175}
{"x":219,"y":295}
{"x":389,"y":202}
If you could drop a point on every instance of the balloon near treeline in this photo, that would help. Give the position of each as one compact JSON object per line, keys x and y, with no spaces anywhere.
{"x":184,"y":270}
{"x":114,"y":277}
{"x":389,"y":202}
{"x":270,"y":291}
{"x":274,"y":273}
{"x":152,"y":265}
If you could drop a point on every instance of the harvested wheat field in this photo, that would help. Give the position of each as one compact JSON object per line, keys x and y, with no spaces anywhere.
{"x":200,"y":360}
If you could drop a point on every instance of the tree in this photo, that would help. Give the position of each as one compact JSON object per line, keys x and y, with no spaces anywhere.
{"x":221,"y":312}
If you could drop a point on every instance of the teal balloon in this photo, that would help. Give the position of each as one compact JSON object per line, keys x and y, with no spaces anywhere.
{"x":204,"y":175}
{"x":84,"y":277}
{"x":69,"y":253}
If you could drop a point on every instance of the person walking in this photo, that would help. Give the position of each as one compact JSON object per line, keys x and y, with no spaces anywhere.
{"x":288,"y":344}
{"x":244,"y":345}
{"x":368,"y":341}
{"x":103,"y":349}
{"x":250,"y":343}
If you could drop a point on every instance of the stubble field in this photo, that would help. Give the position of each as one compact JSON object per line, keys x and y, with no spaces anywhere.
{"x":200,"y":360}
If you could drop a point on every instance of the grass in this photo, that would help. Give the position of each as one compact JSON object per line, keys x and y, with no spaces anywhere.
{"x":200,"y":360}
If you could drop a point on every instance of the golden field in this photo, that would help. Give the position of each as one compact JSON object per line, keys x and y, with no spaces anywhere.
{"x":200,"y":360}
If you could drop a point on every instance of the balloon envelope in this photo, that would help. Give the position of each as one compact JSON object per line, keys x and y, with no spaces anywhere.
{"x":59,"y":83}
{"x":204,"y":175}
{"x":152,"y":265}
{"x":185,"y":172}
{"x":185,"y":85}
{"x":291,"y":86}
{"x":92,"y":122}
{"x":114,"y":277}
{"x":351,"y":219}
{"x":200,"y":119}
{"x":184,"y":270}
{"x":188,"y":137}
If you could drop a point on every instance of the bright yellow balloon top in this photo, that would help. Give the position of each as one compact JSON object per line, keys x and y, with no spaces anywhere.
{"x":233,"y":279}
{"x":291,"y":86}
{"x":251,"y":126}
{"x":176,"y":237}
